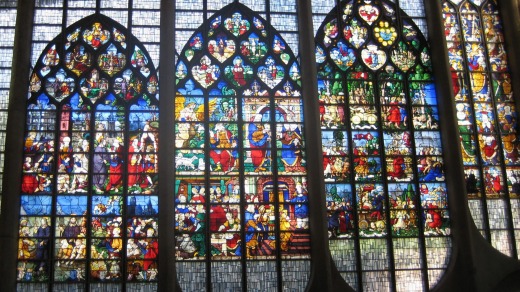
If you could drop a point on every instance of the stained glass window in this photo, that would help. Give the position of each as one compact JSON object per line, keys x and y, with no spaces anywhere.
{"x":239,"y":145}
{"x":241,"y":204}
{"x":387,"y":203}
{"x":486,"y":115}
{"x":89,"y":202}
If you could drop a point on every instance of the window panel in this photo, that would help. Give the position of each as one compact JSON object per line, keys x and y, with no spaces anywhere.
{"x":390,"y":198}
{"x":75,"y":15}
{"x":50,"y":16}
{"x":117,"y":15}
{"x":114,"y":4}
{"x":81,"y":3}
{"x":91,"y":140}
{"x":481,"y":78}
{"x":240,"y":149}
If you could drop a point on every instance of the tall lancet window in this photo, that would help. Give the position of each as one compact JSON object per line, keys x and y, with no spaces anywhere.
{"x":487,"y":119}
{"x":387,"y":202}
{"x":241,"y":203}
{"x":89,"y":202}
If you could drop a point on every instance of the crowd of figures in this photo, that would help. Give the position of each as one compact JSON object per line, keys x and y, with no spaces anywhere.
{"x":266,"y":227}
{"x":97,"y":168}
{"x":114,"y":242}
{"x":109,"y":161}
{"x":370,"y":211}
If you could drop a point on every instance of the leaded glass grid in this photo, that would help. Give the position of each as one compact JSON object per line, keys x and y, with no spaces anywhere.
{"x":384,"y":176}
{"x":487,"y":118}
{"x":89,"y":204}
{"x":7,"y":23}
{"x":241,"y":203}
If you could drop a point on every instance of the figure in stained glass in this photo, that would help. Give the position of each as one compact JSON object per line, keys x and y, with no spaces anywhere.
{"x":425,"y":118}
{"x":471,"y":23}
{"x":134,"y":161}
{"x":403,"y":57}
{"x":100,"y":162}
{"x":29,"y":179}
{"x":394,"y":116}
{"x":398,"y":168}
{"x":223,"y":143}
{"x":236,"y":25}
{"x":476,"y":60}
{"x":342,"y":55}
{"x":331,"y":32}
{"x":93,"y":87}
{"x":79,"y":60}
{"x":196,"y":42}
{"x":371,"y":210}
{"x":402,"y":212}
{"x":259,"y":136}
{"x":360,"y":92}
{"x":43,"y":234}
{"x":181,"y":71}
{"x":320,"y":55}
{"x":485,"y":118}
{"x":115,"y":165}
{"x":119,"y":37}
{"x":206,"y":73}
{"x":112,"y":61}
{"x":225,"y":109}
{"x":97,"y":36}
{"x":355,"y":34}
{"x":333,"y":116}
{"x":239,"y":74}
{"x":60,"y":85}
{"x":271,"y":73}
{"x":251,"y":227}
{"x":291,"y":143}
{"x":278,"y":45}
{"x":368,"y":13}
{"x":489,"y":149}
{"x":221,"y":47}
{"x":79,"y":182}
{"x":301,"y":211}
{"x":254,"y":48}
{"x":373,"y":57}
{"x":51,"y":58}
{"x":365,"y":143}
{"x":140,"y":61}
{"x":340,"y":210}
{"x":430,"y":169}
{"x":513,"y":182}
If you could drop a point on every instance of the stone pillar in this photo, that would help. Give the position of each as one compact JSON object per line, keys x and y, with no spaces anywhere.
{"x":167,"y":271}
{"x":14,"y":144}
{"x":324,"y":275}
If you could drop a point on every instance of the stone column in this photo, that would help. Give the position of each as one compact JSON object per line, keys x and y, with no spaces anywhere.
{"x":14,"y":144}
{"x":167,"y":271}
{"x":324,"y":275}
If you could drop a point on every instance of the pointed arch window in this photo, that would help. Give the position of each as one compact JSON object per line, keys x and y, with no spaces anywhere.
{"x":487,"y":117}
{"x":386,"y":196}
{"x":240,"y":171}
{"x":89,"y":202}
